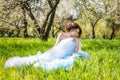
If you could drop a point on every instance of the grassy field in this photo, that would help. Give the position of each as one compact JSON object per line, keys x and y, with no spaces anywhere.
{"x":103,"y":65}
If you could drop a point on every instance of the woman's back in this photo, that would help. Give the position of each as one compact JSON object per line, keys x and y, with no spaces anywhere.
{"x":64,"y":48}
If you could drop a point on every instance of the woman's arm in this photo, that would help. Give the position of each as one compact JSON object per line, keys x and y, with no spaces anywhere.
{"x":77,"y":45}
{"x":58,"y":39}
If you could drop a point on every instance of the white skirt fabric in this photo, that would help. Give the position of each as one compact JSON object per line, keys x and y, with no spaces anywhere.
{"x":60,"y":56}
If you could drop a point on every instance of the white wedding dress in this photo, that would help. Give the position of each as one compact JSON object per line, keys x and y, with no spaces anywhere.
{"x":60,"y":56}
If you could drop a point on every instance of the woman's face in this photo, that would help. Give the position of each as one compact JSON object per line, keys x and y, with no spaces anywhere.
{"x":75,"y":33}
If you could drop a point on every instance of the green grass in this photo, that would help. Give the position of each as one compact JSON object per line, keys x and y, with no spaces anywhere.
{"x":103,"y":65}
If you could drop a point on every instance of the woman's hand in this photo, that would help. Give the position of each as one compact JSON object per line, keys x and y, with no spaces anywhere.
{"x":77,"y":45}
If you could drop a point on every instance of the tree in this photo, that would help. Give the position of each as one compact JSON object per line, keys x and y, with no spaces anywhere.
{"x":46,"y":27}
{"x":14,"y":15}
{"x":94,"y":10}
{"x":95,"y":13}
{"x":28,"y":8}
{"x":112,"y":11}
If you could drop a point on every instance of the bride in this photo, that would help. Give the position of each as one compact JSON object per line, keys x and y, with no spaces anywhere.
{"x":63,"y":54}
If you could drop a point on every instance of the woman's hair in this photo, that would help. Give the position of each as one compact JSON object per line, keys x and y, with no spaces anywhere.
{"x":73,"y":26}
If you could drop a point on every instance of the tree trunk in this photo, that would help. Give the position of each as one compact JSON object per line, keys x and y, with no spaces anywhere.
{"x":93,"y":24}
{"x":25,"y":29}
{"x":112,"y":34}
{"x":27,"y":8}
{"x":53,"y":32}
{"x":42,"y":33}
{"x":18,"y":32}
{"x":92,"y":35}
{"x":25,"y":23}
{"x":50,"y":17}
{"x":113,"y":31}
{"x":48,"y":28}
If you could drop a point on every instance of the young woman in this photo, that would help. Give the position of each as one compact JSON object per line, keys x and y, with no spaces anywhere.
{"x":81,"y":53}
{"x":63,"y":54}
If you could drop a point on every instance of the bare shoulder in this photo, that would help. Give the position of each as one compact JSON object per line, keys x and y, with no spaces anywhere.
{"x":60,"y":34}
